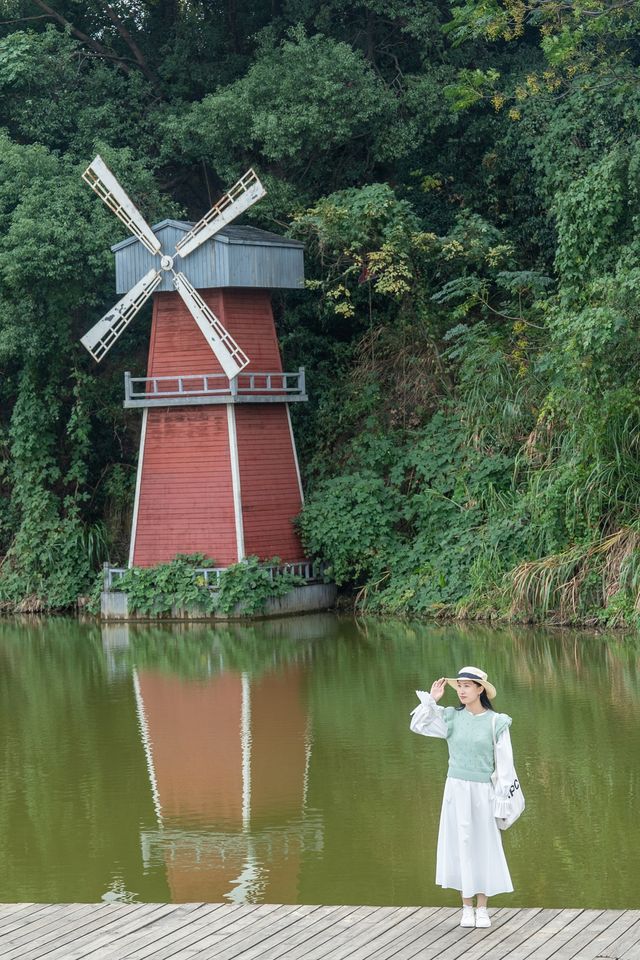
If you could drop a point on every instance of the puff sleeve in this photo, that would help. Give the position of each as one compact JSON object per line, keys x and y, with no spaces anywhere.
{"x":505,"y":773}
{"x":428,"y":718}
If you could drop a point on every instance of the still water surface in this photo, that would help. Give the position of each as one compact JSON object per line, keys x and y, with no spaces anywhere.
{"x":273,"y":762}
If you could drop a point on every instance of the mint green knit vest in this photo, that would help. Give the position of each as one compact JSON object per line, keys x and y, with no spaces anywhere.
{"x":471,"y":744}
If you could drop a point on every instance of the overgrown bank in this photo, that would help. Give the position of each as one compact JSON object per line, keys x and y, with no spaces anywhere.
{"x":466,"y":177}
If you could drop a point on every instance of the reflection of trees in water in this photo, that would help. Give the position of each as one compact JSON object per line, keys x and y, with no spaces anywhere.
{"x":73,"y":785}
{"x":203,"y":650}
{"x":575,"y":701}
{"x":533,"y":655}
{"x":75,"y":790}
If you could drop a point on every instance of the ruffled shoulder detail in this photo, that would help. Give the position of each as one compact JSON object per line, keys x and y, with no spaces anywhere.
{"x":449,"y":715}
{"x":503,"y":720}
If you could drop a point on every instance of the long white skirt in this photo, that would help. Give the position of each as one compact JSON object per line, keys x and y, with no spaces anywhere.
{"x":470,"y":855}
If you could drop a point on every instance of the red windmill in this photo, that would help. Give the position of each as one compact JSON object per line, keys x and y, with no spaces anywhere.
{"x":217,"y":470}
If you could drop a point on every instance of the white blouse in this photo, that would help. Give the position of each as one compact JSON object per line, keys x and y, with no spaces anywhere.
{"x":428,"y":720}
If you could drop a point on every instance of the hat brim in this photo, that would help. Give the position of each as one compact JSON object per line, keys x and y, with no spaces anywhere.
{"x":491,"y":691}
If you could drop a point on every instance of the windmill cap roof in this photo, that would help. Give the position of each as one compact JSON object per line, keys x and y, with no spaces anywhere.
{"x":230,"y":234}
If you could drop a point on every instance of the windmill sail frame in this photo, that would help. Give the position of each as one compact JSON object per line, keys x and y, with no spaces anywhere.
{"x":99,"y":339}
{"x":242,"y":195}
{"x":229,"y":355}
{"x":103,"y":182}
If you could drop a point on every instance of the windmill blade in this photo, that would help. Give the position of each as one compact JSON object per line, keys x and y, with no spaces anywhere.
{"x":228,"y":354}
{"x":100,"y":179}
{"x":106,"y":331}
{"x":242,"y":195}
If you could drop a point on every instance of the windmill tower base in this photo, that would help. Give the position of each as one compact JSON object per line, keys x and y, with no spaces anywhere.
{"x":221,"y":480}
{"x":309,"y":598}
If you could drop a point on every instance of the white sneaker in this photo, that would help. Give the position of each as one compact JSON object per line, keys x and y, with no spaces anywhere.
{"x":468,"y":917}
{"x":482,"y":917}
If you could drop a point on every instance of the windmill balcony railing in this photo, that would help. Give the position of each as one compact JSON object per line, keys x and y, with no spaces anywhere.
{"x":310,"y":572}
{"x":191,"y":389}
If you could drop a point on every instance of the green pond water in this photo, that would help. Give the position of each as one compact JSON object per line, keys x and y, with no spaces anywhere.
{"x":273,"y":762}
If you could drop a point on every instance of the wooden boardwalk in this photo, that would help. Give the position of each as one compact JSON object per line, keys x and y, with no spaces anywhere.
{"x":154,"y":931}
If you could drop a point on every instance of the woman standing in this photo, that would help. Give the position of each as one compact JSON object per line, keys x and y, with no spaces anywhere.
{"x":470,"y":855}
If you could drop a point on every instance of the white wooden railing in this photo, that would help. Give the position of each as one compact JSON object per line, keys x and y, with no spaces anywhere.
{"x":214,"y":388}
{"x":305,"y":569}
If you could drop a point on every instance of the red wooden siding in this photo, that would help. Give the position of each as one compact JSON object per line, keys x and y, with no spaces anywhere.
{"x":268,"y":482}
{"x":249,"y":319}
{"x":186,"y":497}
{"x":178,"y":347}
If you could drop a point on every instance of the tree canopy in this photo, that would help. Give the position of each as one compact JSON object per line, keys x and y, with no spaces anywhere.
{"x":466,"y":177}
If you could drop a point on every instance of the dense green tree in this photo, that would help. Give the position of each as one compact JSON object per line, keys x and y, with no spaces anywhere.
{"x":465,"y":176}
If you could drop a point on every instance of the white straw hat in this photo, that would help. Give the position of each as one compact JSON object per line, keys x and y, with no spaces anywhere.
{"x":475,"y":674}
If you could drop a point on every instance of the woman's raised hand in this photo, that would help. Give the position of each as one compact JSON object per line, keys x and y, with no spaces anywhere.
{"x":437,"y":688}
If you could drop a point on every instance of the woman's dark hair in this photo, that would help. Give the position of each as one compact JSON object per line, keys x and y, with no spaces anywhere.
{"x":484,"y":699}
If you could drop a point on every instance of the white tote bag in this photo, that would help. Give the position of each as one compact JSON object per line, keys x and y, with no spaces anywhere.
{"x":507,"y":807}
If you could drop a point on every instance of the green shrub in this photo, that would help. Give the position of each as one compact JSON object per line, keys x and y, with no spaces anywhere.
{"x":160,"y":589}
{"x":350,"y":524}
{"x":249,"y":584}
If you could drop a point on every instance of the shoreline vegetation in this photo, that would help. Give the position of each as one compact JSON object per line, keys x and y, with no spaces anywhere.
{"x":466,"y":179}
{"x":159,"y":605}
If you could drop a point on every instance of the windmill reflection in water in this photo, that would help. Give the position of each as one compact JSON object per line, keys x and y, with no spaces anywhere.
{"x":228,"y":761}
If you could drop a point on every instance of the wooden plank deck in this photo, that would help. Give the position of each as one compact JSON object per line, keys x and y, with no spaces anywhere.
{"x":215,"y":931}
